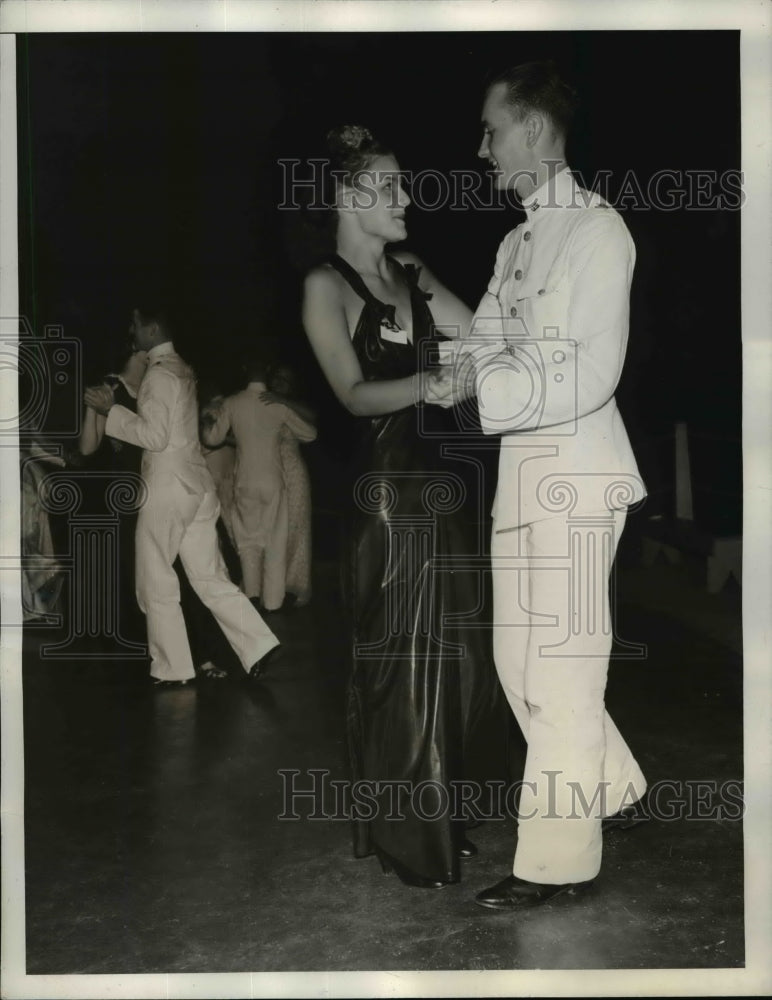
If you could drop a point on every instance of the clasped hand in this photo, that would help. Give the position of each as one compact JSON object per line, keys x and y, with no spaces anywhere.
{"x":451,"y":383}
{"x":99,"y":398}
{"x":210,"y":411}
{"x":438,"y":388}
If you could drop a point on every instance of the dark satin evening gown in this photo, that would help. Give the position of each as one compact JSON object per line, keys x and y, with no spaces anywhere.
{"x":421,"y":689}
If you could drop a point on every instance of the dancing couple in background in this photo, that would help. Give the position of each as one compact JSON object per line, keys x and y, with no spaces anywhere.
{"x":413,"y":701}
{"x":270,"y":513}
{"x":179,"y":515}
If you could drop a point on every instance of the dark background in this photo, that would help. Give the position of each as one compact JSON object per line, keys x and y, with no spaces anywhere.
{"x":151,"y":160}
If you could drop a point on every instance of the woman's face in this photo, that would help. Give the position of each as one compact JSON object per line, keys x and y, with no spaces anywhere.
{"x":379,"y":200}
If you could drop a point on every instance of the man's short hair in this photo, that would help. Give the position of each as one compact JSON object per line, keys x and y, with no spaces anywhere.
{"x":152,"y":310}
{"x":255,"y":361}
{"x":538,"y":86}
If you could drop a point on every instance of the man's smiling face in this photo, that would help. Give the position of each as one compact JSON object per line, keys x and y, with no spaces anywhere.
{"x":504,"y":144}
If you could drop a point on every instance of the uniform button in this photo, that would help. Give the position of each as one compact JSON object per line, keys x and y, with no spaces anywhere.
{"x":518,"y":274}
{"x":513,"y":311}
{"x":542,"y":291}
{"x":527,"y":236}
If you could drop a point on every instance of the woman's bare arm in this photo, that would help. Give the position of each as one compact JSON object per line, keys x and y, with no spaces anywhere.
{"x":324,"y":319}
{"x":92,"y":432}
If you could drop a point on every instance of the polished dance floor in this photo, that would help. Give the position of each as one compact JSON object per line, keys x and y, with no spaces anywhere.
{"x":153,"y":844}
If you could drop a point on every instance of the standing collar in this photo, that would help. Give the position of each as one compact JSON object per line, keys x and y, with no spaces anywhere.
{"x":167,"y":347}
{"x":558,"y":191}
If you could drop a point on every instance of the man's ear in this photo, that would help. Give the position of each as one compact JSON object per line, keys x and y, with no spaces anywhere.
{"x":534,"y":126}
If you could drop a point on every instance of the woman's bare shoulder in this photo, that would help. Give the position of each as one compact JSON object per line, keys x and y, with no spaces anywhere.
{"x":323,"y":280}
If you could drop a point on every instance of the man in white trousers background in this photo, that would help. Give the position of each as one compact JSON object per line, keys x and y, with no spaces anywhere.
{"x":259,"y":517}
{"x":179,"y":514}
{"x":548,"y":344}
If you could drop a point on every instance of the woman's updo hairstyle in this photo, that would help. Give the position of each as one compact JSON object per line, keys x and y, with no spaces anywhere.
{"x":351,"y":149}
{"x":309,"y":235}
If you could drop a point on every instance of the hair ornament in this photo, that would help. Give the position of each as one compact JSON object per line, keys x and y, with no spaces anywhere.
{"x":352,"y":136}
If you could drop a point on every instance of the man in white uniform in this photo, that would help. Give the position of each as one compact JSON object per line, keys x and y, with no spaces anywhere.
{"x":549,"y":342}
{"x":259,"y":517}
{"x":179,"y":515}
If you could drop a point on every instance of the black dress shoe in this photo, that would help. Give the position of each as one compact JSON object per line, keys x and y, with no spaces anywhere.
{"x":514,"y":893}
{"x":211,"y":672}
{"x":258,"y":667}
{"x":625,"y":819}
{"x":467,"y":850}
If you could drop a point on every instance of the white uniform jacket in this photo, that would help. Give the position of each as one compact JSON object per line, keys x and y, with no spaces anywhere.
{"x":165,"y":425}
{"x":256,"y":426}
{"x":549,"y":340}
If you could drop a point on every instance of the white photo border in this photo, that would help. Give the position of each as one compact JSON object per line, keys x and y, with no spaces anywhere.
{"x":751,"y":18}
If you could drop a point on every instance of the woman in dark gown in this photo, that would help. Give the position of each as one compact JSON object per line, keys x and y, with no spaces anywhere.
{"x":421,"y":687}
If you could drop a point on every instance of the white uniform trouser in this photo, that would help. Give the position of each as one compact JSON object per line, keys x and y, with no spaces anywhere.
{"x":574,"y":748}
{"x":260,"y":529}
{"x":177,"y":522}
